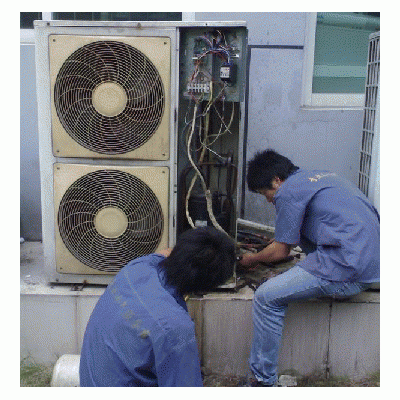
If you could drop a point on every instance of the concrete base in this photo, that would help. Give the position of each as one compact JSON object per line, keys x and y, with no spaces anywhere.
{"x":325,"y":338}
{"x":320,"y":337}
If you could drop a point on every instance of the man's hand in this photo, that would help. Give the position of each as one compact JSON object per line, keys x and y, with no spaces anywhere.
{"x":274,"y":252}
{"x":247,"y":260}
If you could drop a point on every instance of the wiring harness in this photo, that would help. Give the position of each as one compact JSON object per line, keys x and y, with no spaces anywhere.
{"x":215,"y":45}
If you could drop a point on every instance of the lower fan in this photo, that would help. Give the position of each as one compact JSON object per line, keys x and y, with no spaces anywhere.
{"x":107,"y":216}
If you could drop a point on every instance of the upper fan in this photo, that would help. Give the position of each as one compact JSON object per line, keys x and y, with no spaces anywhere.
{"x":108,"y":217}
{"x":110,"y":98}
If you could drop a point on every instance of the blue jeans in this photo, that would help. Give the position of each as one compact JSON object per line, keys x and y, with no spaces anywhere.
{"x":269,"y":306}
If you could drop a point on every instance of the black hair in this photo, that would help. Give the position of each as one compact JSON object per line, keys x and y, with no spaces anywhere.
{"x":265,"y":166}
{"x":202,"y":259}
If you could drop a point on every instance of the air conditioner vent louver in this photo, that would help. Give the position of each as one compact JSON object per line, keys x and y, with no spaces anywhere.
{"x":109,"y":97}
{"x":108,"y":217}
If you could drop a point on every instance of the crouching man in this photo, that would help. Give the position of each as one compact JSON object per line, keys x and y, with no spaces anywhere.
{"x":335,"y":225}
{"x":140,"y":332}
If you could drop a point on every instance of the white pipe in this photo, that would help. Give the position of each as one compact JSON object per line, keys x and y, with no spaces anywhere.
{"x":255,"y":225}
{"x":66,"y":371}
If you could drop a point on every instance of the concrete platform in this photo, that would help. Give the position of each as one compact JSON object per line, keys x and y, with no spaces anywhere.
{"x":336,"y":338}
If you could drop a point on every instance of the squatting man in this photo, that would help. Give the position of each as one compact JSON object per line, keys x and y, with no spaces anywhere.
{"x":140,"y":332}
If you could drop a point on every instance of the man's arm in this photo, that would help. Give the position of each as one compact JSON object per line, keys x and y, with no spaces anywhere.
{"x":274,"y":252}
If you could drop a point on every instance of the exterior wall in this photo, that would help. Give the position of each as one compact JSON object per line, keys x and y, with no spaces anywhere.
{"x":310,"y":138}
{"x":53,"y":321}
{"x":31,"y":216}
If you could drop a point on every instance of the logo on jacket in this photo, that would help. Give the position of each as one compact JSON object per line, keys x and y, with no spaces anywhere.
{"x":317,"y":177}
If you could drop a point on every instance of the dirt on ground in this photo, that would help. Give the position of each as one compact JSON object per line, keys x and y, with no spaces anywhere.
{"x":214,"y":380}
{"x":36,"y":375}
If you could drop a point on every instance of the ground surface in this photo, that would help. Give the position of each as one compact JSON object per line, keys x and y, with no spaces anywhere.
{"x":34,"y":375}
{"x":234,"y":381}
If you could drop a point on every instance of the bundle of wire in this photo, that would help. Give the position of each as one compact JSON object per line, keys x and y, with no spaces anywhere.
{"x":205,"y":146}
{"x":216,"y":45}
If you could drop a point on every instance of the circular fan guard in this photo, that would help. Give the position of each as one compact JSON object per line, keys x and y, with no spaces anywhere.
{"x":110,"y":190}
{"x":122,"y":121}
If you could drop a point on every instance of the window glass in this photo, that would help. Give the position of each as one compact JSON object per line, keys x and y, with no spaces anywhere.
{"x":341,"y":50}
{"x":118,"y":16}
{"x":27,"y":18}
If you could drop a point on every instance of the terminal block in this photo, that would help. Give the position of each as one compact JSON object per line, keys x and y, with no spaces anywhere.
{"x":194,"y":87}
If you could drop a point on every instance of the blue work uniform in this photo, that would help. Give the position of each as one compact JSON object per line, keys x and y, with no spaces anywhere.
{"x":333,"y":222}
{"x":140,"y":332}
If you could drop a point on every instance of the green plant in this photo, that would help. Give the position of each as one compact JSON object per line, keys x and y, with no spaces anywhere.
{"x":34,"y":375}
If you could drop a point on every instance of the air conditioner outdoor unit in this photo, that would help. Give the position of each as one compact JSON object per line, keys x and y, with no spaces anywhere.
{"x":106,"y":101}
{"x":114,"y":104}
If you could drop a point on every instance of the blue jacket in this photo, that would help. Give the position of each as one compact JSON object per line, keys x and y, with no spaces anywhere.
{"x":140,"y":333}
{"x":333,"y":222}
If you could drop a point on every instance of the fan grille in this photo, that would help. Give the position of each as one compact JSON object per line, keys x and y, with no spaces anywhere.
{"x":123,"y":200}
{"x":109,"y":97}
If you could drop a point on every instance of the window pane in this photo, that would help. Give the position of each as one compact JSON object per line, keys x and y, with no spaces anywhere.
{"x":164,"y":16}
{"x":341,"y":47}
{"x":118,"y":16}
{"x":121,"y":16}
{"x":27,"y":18}
{"x":64,"y":16}
{"x":83,"y":16}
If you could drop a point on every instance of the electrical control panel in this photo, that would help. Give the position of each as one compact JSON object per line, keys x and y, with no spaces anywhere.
{"x":212,"y":62}
{"x":212,"y":82}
